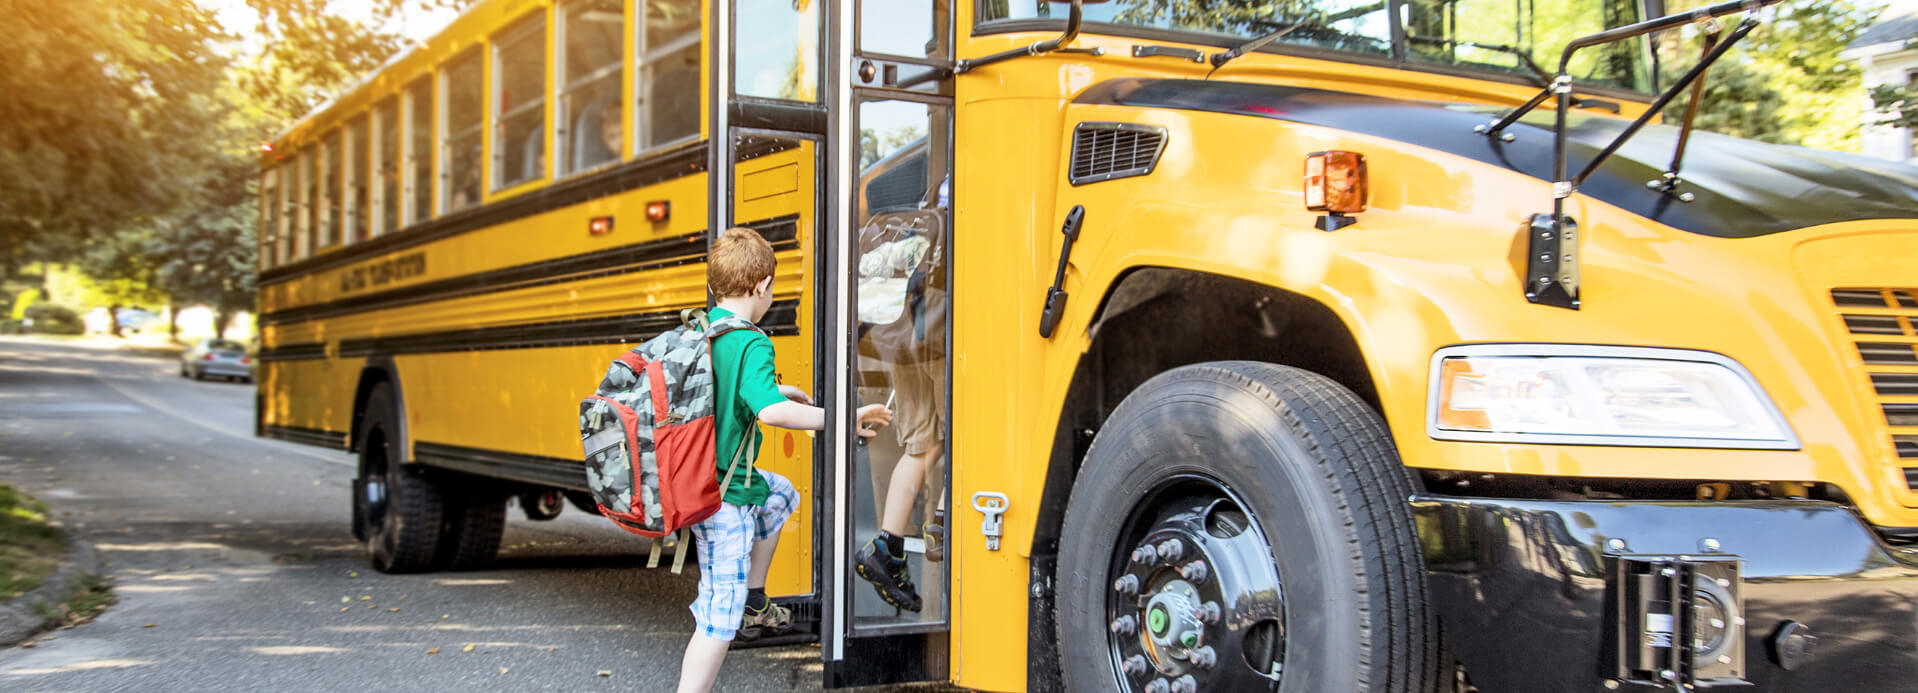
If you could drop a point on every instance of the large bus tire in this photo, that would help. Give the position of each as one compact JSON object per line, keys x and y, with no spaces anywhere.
{"x":398,"y":509}
{"x":1242,"y":526}
{"x":474,"y":524}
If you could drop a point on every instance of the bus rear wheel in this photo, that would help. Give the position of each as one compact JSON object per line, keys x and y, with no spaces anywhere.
{"x":397,"y":509}
{"x":1242,"y":526}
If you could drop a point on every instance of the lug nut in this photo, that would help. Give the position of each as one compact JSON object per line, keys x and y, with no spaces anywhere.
{"x":1185,"y":684}
{"x":1194,"y":571}
{"x":1171,"y":549}
{"x":1158,"y":686}
{"x":1136,"y":666}
{"x":1203,"y":656}
{"x":1209,"y":612}
{"x":1189,"y":639}
{"x":1126,"y":584}
{"x":1125,"y":625}
{"x":1145,"y":555}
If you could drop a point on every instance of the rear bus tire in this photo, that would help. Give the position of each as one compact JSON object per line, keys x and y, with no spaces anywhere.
{"x":474,"y":525}
{"x":1225,"y":505}
{"x":397,"y":508}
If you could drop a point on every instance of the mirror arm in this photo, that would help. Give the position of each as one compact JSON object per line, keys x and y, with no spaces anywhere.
{"x":1670,"y":180}
{"x":1073,"y":20}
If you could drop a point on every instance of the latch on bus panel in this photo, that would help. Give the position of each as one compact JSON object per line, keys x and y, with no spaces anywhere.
{"x":993,"y":505}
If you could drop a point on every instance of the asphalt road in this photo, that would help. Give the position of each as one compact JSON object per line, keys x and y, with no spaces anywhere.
{"x":235,"y":571}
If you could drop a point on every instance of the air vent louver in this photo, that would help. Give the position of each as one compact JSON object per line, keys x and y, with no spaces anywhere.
{"x":1884,"y":325}
{"x":1104,"y":151}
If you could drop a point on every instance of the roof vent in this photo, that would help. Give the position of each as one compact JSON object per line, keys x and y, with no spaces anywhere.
{"x":1104,"y":151}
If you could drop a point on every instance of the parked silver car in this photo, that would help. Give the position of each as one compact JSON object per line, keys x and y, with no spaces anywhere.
{"x":216,"y":357}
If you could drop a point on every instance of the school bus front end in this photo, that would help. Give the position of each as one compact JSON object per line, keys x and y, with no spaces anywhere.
{"x":1299,"y":449}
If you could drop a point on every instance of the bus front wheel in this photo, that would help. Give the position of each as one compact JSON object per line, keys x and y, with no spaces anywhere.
{"x":397,"y":509}
{"x":1242,"y":526}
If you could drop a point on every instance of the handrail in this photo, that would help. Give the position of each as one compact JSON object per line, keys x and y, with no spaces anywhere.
{"x":1073,"y":19}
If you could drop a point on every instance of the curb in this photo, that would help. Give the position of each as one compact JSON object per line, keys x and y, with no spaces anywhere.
{"x":20,"y":617}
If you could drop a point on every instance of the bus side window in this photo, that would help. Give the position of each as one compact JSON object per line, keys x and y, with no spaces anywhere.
{"x":777,"y":49}
{"x":519,"y":92}
{"x":667,"y":94}
{"x":460,"y":152}
{"x":386,"y":192}
{"x":419,"y":150}
{"x":590,"y":62}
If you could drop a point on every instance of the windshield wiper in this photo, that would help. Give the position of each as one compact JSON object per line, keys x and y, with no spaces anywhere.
{"x":1543,"y":78}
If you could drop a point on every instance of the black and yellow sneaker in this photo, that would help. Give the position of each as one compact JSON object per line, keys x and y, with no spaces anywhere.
{"x":887,"y":573}
{"x":771,"y":620}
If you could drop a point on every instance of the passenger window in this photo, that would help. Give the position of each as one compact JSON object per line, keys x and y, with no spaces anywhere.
{"x":386,"y":154}
{"x":519,"y":92}
{"x":668,"y":89}
{"x":776,"y":48}
{"x":419,"y":150}
{"x":460,"y":154}
{"x":329,"y":191}
{"x":309,"y":202}
{"x":356,"y":180}
{"x":270,"y":217}
{"x":590,"y":62}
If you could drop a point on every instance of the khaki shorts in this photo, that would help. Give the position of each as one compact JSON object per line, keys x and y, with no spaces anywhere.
{"x":919,"y":412}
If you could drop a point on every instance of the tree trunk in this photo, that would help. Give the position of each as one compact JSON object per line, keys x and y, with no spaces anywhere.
{"x":220,"y":318}
{"x":113,"y":319}
{"x":173,"y":324}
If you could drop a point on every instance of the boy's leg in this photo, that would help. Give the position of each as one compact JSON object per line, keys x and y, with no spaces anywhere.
{"x":762,"y":617}
{"x":724,"y":543}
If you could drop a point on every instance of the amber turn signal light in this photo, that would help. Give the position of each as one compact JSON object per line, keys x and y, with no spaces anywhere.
{"x":1335,"y":182}
{"x":600,"y":226}
{"x":658,"y":210}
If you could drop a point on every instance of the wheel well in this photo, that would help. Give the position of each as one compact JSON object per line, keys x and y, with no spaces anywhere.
{"x":377,"y":370}
{"x":1153,"y":320}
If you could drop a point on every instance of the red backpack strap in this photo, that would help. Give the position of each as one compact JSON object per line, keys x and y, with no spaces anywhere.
{"x":634,"y":361}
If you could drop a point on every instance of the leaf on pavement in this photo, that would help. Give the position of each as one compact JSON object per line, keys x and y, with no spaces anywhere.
{"x":345,"y":609}
{"x":150,"y":625}
{"x":393,"y":610}
{"x":366,"y":597}
{"x":353,"y":574}
{"x":346,"y":600}
{"x":468,"y":648}
{"x":433,"y":651}
{"x":502,"y":670}
{"x":603,"y":673}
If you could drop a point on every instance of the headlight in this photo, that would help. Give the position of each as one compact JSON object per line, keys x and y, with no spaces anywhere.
{"x":1593,"y":395}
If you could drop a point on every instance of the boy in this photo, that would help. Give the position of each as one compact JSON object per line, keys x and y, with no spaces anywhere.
{"x":735,"y":545}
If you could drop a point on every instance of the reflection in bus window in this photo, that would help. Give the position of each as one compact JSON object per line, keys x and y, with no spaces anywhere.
{"x":589,"y":93}
{"x":519,"y":61}
{"x":460,"y":155}
{"x":777,"y":49}
{"x":419,"y":150}
{"x":911,"y":28}
{"x":386,"y":191}
{"x":330,"y":154}
{"x":355,"y":200}
{"x":1510,"y":36}
{"x":668,"y":89}
{"x":903,"y":200}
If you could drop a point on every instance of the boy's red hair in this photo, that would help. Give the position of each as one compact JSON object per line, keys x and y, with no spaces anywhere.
{"x":740,"y":259}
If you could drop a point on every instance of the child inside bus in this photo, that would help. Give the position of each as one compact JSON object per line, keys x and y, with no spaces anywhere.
{"x":735,"y":546}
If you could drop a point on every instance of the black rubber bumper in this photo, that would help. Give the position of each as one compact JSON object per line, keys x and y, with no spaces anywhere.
{"x":1527,"y":604}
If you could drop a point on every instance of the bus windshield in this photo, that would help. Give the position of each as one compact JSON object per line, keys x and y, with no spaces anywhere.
{"x":1511,"y":37}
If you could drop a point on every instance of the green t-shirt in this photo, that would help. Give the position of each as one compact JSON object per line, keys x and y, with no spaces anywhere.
{"x":743,"y":367}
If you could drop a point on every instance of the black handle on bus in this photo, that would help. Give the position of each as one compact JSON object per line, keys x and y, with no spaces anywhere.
{"x":1055,"y":296}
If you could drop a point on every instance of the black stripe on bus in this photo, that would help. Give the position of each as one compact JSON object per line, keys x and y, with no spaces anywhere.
{"x":293,"y":352}
{"x":639,"y":257}
{"x":781,"y":320}
{"x":782,"y":232}
{"x":305,"y":436}
{"x":557,"y":472}
{"x":685,"y":161}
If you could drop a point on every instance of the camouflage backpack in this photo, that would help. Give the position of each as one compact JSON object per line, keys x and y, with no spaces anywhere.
{"x":648,"y":434}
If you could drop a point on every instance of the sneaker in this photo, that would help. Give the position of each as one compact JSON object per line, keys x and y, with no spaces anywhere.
{"x":774,"y":620}
{"x":888,"y":575}
{"x":935,"y":535}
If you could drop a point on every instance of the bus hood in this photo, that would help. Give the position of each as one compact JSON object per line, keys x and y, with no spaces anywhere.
{"x":1742,"y":188}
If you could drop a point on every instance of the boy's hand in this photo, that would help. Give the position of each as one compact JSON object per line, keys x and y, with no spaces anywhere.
{"x":876,"y":414}
{"x":795,"y":394}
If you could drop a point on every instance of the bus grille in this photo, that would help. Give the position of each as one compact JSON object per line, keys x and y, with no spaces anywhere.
{"x":1104,"y":151}
{"x":1884,"y":324}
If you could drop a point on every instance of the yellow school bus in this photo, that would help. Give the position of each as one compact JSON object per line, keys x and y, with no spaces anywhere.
{"x":1302,"y":345}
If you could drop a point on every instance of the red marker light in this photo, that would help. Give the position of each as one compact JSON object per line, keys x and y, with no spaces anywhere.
{"x":600,"y":226}
{"x":658,"y":210}
{"x":1335,"y":182}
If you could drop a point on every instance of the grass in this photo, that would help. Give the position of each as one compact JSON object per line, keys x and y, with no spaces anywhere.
{"x":30,"y":549}
{"x":87,"y":596}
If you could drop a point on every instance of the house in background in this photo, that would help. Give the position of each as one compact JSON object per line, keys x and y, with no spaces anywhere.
{"x":1887,"y":53}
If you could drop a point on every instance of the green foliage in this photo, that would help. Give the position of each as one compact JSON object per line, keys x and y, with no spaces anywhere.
{"x":1897,"y":104}
{"x":25,"y":300}
{"x":53,"y":318}
{"x":29,"y":547}
{"x":1785,"y":82}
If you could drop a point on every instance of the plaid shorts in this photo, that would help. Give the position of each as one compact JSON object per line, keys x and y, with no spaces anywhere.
{"x":724,"y":543}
